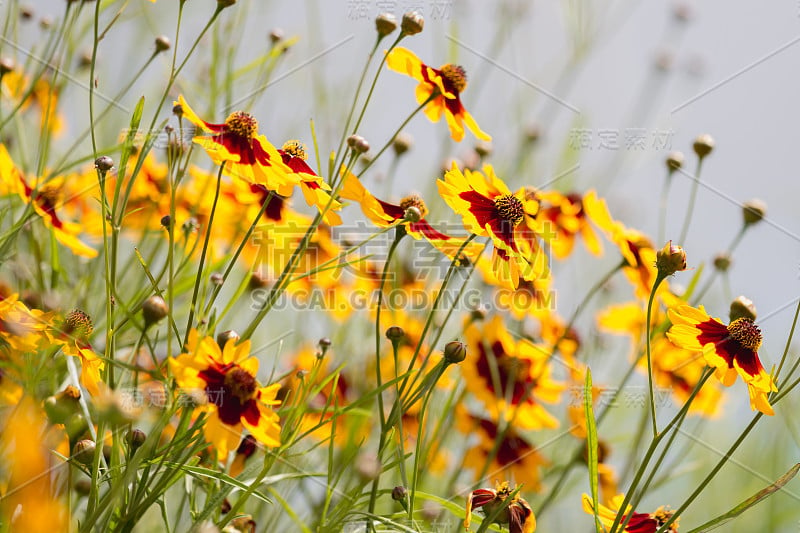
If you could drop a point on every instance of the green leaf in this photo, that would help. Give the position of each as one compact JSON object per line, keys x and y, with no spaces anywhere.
{"x":749,"y":502}
{"x":591,"y":445}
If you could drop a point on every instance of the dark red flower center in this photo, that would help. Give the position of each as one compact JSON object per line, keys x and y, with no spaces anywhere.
{"x":510,"y":208}
{"x":241,"y":384}
{"x":746,"y":333}
{"x":455,"y":77}
{"x":242,"y":124}
{"x":414,"y":201}
{"x":48,"y":197}
{"x":295,"y":149}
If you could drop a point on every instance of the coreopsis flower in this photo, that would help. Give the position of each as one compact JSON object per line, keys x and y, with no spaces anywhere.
{"x":72,"y":334}
{"x":45,"y":198}
{"x":635,"y":247}
{"x":441,"y":88}
{"x":731,"y":350}
{"x":42,"y":95}
{"x":509,"y":376}
{"x":246,"y":153}
{"x":562,"y":218}
{"x":517,"y":514}
{"x":489,"y":209}
{"x":384,"y":214}
{"x":315,"y":191}
{"x":21,"y":328}
{"x":516,"y":457}
{"x":638,"y":523}
{"x":235,"y":401}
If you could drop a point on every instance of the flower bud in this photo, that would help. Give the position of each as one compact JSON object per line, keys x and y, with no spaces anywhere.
{"x":324,"y":342}
{"x":753,"y":211}
{"x":385,"y":23}
{"x":103,"y":163}
{"x":224,"y":336}
{"x":258,"y":280}
{"x":162,"y":43}
{"x":412,"y":23}
{"x":533,"y":133}
{"x":276,"y":35}
{"x":60,"y":407}
{"x":703,"y":145}
{"x":399,"y":493}
{"x":670,"y":259}
{"x":674,"y":161}
{"x":395,"y":333}
{"x":76,"y":426}
{"x":154,"y":309}
{"x":455,"y":352}
{"x":722,"y":262}
{"x":135,"y":438}
{"x":83,"y":451}
{"x":483,"y":149}
{"x":177,"y":110}
{"x":216,"y":279}
{"x":358,"y":144}
{"x":742,"y":307}
{"x":402,"y":143}
{"x":83,"y":486}
{"x":6,"y":66}
{"x":412,"y":214}
{"x":26,"y":13}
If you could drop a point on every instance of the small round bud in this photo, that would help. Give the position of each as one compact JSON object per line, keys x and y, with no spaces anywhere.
{"x":722,"y":262}
{"x":674,"y":161}
{"x":135,"y":439}
{"x":324,"y":342}
{"x":258,"y":280}
{"x":83,"y":451}
{"x":217,"y":278}
{"x":399,"y":493}
{"x":276,"y":35}
{"x":358,"y":144}
{"x":703,"y":145}
{"x":45,"y":23}
{"x":26,"y":13}
{"x":60,"y":407}
{"x":368,"y":467}
{"x":224,"y":336}
{"x":162,"y":43}
{"x":385,"y":23}
{"x":402,"y":143}
{"x":483,"y":149}
{"x":154,"y":309}
{"x":222,"y":4}
{"x":103,"y":163}
{"x":85,"y":60}
{"x":177,"y":110}
{"x":6,"y":66}
{"x":226,"y":507}
{"x":753,"y":211}
{"x":455,"y":352}
{"x":166,"y":221}
{"x":395,"y":333}
{"x":83,"y":486}
{"x":412,"y":214}
{"x":742,"y":307}
{"x":479,"y":313}
{"x":670,"y":259}
{"x":533,"y":133}
{"x":412,"y":23}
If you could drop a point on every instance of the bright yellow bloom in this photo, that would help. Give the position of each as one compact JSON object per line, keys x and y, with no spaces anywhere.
{"x":561,"y":218}
{"x":246,"y":153}
{"x":227,"y":377}
{"x":443,"y":86}
{"x":638,"y":523}
{"x":731,"y":350}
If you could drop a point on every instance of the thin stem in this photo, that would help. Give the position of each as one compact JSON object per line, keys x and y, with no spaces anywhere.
{"x":659,"y":278}
{"x":692,"y":198}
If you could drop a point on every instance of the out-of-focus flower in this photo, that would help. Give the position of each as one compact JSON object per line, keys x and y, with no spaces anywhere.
{"x":638,"y":523}
{"x":441,"y":88}
{"x":562,"y":218}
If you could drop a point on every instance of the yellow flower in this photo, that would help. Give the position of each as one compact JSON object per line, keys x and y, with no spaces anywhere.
{"x":227,"y":377}
{"x":731,"y":350}
{"x":247,"y":154}
{"x":561,"y":218}
{"x":638,"y":523}
{"x":443,"y":86}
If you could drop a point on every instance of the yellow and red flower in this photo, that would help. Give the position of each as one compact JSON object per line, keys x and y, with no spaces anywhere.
{"x":384,"y":214}
{"x":73,"y":336}
{"x":510,"y":377}
{"x":731,"y":350}
{"x":563,"y":218}
{"x":45,"y":198}
{"x":489,"y":209}
{"x":441,"y":88}
{"x":517,"y":513}
{"x":227,"y":378}
{"x":247,"y":154}
{"x":638,"y":523}
{"x":315,"y":191}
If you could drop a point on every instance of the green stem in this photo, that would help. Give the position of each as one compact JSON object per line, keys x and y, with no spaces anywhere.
{"x":659,"y":278}
{"x":692,"y":198}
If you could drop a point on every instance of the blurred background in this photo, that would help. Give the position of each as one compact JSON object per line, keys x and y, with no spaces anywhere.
{"x":576,"y":95}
